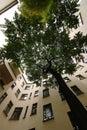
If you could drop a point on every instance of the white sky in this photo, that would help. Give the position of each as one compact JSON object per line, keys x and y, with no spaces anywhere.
{"x":9,"y":15}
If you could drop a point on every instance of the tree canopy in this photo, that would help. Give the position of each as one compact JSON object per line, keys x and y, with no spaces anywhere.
{"x":36,"y":46}
{"x":36,"y":7}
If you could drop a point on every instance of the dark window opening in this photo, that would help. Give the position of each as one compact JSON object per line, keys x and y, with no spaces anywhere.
{"x":17,"y":92}
{"x":36,"y":93}
{"x":16,"y":114}
{"x":7,"y":108}
{"x":47,"y":112}
{"x":25,"y":112}
{"x":3,"y":97}
{"x":24,"y":96}
{"x":1,"y":84}
{"x":76,"y":90}
{"x":45,"y":92}
{"x":34,"y":109}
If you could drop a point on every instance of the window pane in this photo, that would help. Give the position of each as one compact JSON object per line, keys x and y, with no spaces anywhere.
{"x":24,"y":96}
{"x":25,"y":112}
{"x":76,"y":90}
{"x":80,"y":77}
{"x":3,"y":97}
{"x":32,"y":129}
{"x":47,"y":112}
{"x":7,"y":108}
{"x":34,"y":109}
{"x":16,"y":114}
{"x":17,"y":92}
{"x":27,"y":87}
{"x":66,"y":79}
{"x":45,"y":92}
{"x":36,"y":93}
{"x":30,"y":95}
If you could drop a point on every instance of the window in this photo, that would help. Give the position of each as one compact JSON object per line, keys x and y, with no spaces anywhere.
{"x":17,"y":92}
{"x":80,"y":20}
{"x":7,"y":108}
{"x":24,"y":96}
{"x":66,"y":79}
{"x":61,"y":95}
{"x":27,"y":87}
{"x":76,"y":90}
{"x":25,"y":112}
{"x":34,"y":109}
{"x":3,"y":97}
{"x":73,"y":122}
{"x":79,"y":67}
{"x":80,"y":77}
{"x":30,"y":95}
{"x":32,"y":129}
{"x":85,"y":60}
{"x":13,"y":85}
{"x":45,"y":92}
{"x":22,"y":85}
{"x":36,"y":93}
{"x":16,"y":114}
{"x":1,"y":83}
{"x":47,"y":112}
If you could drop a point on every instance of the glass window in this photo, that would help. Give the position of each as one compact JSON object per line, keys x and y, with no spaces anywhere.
{"x":17,"y":92}
{"x":80,"y":20}
{"x":36,"y":93}
{"x":47,"y":112}
{"x":34,"y":109}
{"x":79,"y":67}
{"x":7,"y":108}
{"x":25,"y":112}
{"x":1,"y":84}
{"x":3,"y":97}
{"x":24,"y":96}
{"x":13,"y":85}
{"x":32,"y":129}
{"x":80,"y":77}
{"x":66,"y":79}
{"x":45,"y":92}
{"x":76,"y":90}
{"x":30,"y":95}
{"x":16,"y":114}
{"x":27,"y":87}
{"x":22,"y":85}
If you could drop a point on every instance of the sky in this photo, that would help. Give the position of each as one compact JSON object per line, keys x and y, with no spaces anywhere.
{"x":9,"y":15}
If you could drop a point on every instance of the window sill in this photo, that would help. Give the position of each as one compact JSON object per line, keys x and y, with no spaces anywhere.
{"x":47,"y":119}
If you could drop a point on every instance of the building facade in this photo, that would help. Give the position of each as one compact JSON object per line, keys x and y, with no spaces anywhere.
{"x":25,"y":106}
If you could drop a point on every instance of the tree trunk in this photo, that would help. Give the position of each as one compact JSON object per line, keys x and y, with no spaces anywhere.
{"x":77,"y":109}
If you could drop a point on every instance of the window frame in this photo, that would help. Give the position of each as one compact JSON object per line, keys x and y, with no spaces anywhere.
{"x":16,"y":113}
{"x":46,"y":93}
{"x":24,"y":97}
{"x":3,"y":97}
{"x":34,"y":109}
{"x":8,"y":108}
{"x":76,"y":90}
{"x":47,"y":108}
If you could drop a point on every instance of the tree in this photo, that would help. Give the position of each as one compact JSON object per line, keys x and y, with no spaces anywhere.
{"x":46,"y":48}
{"x":36,"y":7}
